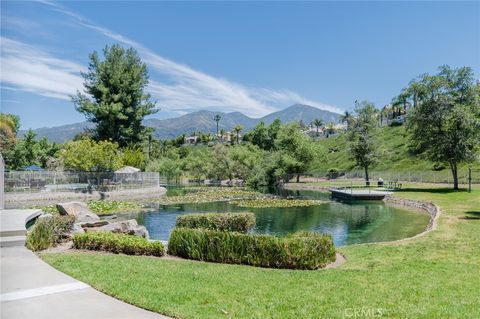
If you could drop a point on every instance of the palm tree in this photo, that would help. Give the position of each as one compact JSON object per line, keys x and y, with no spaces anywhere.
{"x":222,"y":133}
{"x":217,"y":119}
{"x":237,"y":129}
{"x":318,"y":123}
{"x":347,"y":117}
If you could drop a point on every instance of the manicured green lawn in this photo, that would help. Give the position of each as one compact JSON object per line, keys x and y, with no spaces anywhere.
{"x":434,"y":276}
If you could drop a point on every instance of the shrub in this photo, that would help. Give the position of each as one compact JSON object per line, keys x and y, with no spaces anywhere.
{"x":333,"y":173}
{"x":298,"y":251}
{"x":48,"y":232}
{"x":118,"y":243}
{"x":239,"y":222}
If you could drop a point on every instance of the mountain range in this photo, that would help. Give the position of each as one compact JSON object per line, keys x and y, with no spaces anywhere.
{"x":199,"y":121}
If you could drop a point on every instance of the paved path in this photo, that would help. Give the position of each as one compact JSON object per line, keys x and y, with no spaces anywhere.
{"x":30,"y":288}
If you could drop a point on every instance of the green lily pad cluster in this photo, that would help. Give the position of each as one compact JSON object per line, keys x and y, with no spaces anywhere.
{"x":210,"y":194}
{"x":99,"y":207}
{"x":112,"y":206}
{"x":276,"y":202}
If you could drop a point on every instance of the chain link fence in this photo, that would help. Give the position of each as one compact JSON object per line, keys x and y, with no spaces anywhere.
{"x":355,"y":177}
{"x":46,"y":181}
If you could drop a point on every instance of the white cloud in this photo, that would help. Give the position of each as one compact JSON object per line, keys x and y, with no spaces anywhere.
{"x":27,"y":68}
{"x":186,"y":89}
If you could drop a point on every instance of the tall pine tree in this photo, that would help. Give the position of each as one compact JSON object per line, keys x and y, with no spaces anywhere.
{"x":115,"y":99}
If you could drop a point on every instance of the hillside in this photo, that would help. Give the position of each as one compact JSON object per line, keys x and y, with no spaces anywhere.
{"x":392,"y":149}
{"x":199,"y":121}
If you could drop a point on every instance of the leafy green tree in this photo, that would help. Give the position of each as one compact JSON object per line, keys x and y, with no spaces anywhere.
{"x":91,"y":156}
{"x":198,"y":163}
{"x":262,"y":136}
{"x":295,"y":149}
{"x":134,"y":156}
{"x":169,"y":167}
{"x":362,"y":136}
{"x":116,"y":100}
{"x":446,"y":122}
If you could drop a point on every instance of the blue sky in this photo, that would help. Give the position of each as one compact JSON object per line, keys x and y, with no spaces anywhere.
{"x":252,"y":57}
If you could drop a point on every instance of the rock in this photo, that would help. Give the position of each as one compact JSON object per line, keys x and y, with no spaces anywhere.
{"x":130,"y":227}
{"x":94,"y":224}
{"x":45,"y":215}
{"x":76,"y":229}
{"x":78,"y":209}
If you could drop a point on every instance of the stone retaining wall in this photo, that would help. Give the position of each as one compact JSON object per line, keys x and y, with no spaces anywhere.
{"x":430,"y":208}
{"x":19,"y":200}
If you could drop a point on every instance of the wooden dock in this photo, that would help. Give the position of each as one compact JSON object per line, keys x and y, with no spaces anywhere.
{"x":357,"y":194}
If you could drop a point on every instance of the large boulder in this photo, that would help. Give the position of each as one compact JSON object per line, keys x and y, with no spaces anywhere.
{"x":130,"y":227}
{"x":78,"y":209}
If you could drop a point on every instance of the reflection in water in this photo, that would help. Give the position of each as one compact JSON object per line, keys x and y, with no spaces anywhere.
{"x":357,"y":222}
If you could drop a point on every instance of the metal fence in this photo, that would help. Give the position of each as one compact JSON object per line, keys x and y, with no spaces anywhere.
{"x":2,"y":195}
{"x":435,"y":177}
{"x":47,"y":181}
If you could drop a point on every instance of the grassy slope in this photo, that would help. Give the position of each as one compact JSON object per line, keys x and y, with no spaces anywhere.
{"x":392,"y":149}
{"x":435,"y":276}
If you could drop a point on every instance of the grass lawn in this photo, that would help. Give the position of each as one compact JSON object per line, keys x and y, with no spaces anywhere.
{"x":434,"y":276}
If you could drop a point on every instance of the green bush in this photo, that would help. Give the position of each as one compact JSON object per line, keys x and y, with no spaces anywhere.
{"x":118,"y":243}
{"x":333,"y":173}
{"x":298,"y":251}
{"x":48,"y":232}
{"x":239,"y":222}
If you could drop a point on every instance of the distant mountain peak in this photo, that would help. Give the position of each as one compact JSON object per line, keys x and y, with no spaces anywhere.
{"x":201,"y":120}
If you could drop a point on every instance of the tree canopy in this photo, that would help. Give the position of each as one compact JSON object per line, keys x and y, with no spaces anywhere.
{"x":362,"y":136}
{"x":445,"y":124}
{"x":115,"y":99}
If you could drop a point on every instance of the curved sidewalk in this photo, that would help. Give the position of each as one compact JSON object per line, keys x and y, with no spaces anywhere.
{"x":30,"y":288}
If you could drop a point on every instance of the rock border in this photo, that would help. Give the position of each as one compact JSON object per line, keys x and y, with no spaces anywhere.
{"x":430,"y":208}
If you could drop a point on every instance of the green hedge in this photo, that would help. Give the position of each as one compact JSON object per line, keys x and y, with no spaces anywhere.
{"x":118,"y":243}
{"x":298,"y":251}
{"x":239,"y":222}
{"x":47,"y":232}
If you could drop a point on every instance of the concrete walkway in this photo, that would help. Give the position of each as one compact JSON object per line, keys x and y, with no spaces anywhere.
{"x":30,"y":288}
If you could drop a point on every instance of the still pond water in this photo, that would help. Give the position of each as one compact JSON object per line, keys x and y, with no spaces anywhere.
{"x":348,"y":223}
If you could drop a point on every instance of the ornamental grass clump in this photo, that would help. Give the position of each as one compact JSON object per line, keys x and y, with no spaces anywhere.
{"x":303,"y":250}
{"x":118,"y":243}
{"x":238,"y":222}
{"x":47,"y":232}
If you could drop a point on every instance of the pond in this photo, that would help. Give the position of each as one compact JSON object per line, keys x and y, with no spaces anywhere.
{"x":348,"y":223}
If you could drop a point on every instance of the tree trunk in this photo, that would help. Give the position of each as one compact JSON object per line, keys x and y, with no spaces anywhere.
{"x":298,"y":178}
{"x":367,"y":180}
{"x":317,"y":131}
{"x":453,"y":166}
{"x":237,"y":137}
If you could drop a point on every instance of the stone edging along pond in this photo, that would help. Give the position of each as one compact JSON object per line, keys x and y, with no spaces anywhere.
{"x":432,"y":210}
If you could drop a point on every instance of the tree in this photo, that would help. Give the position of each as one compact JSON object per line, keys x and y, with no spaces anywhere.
{"x":134,"y":156}
{"x":9,"y":125}
{"x":347,"y":118}
{"x":91,"y":156}
{"x":237,"y":129}
{"x":117,"y":102}
{"x":318,"y":123}
{"x":217,"y":119}
{"x":264,"y":137}
{"x":445,"y":125}
{"x":295,"y":151}
{"x":361,"y":136}
{"x":222,"y":134}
